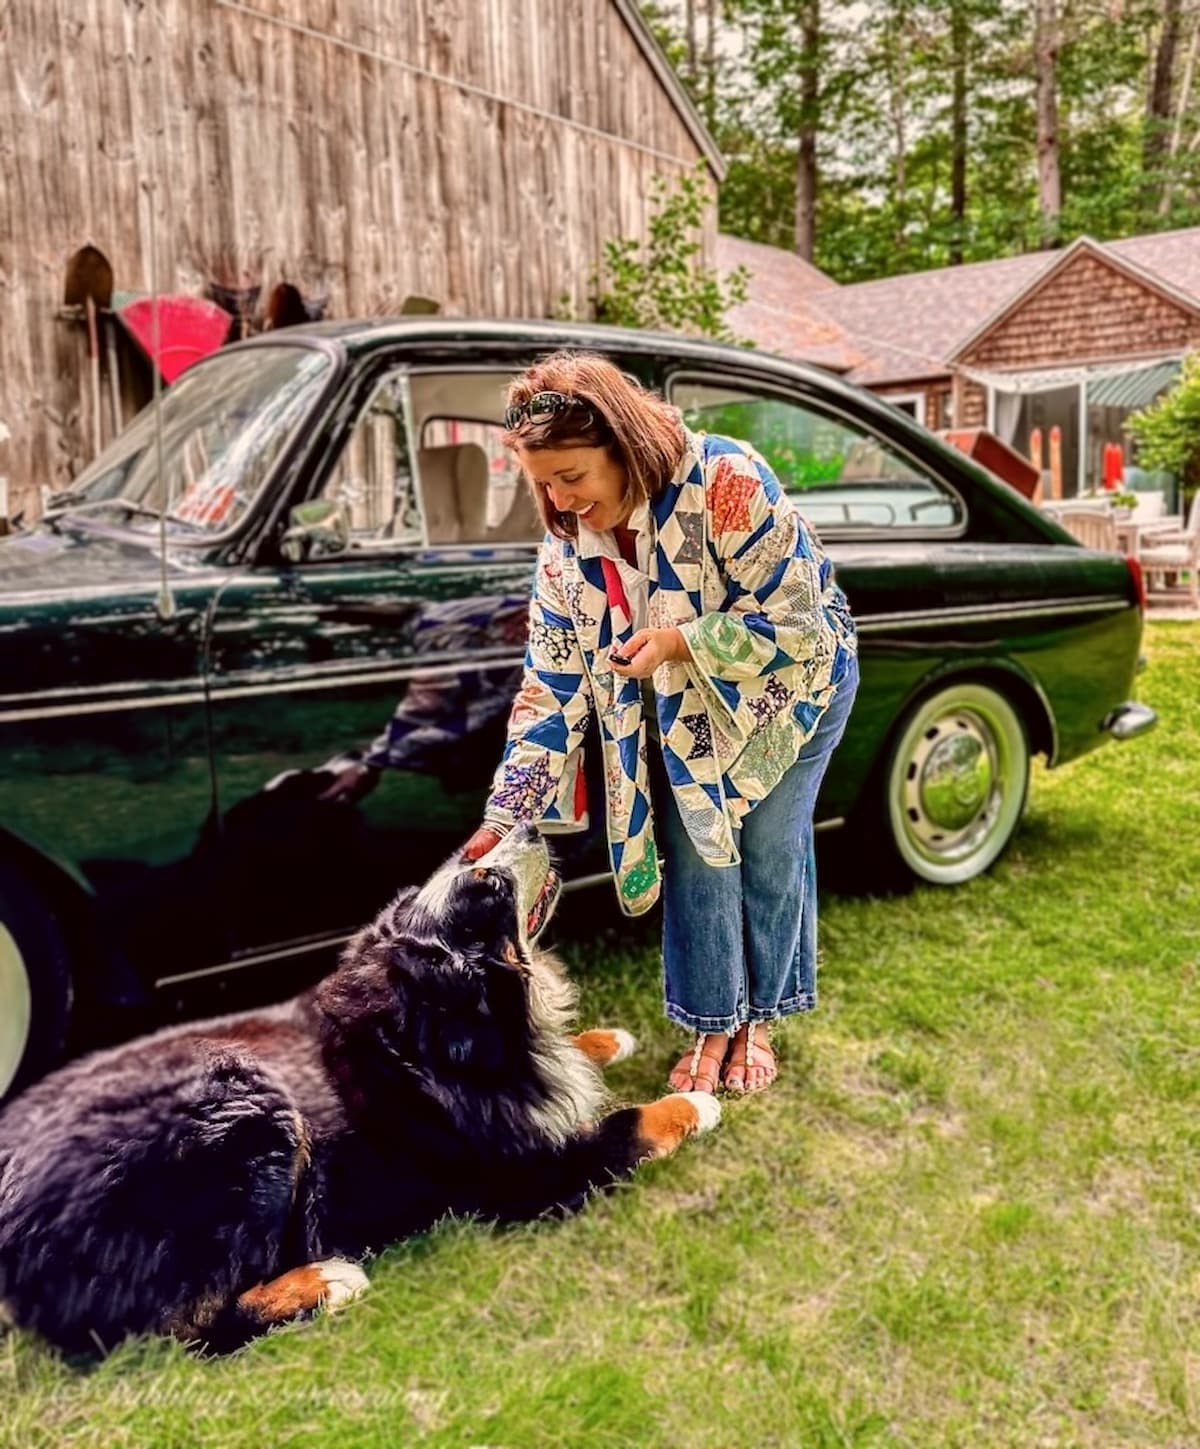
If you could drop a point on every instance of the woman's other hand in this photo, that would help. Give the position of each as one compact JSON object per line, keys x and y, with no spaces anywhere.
{"x":484,"y":839}
{"x":647,"y":650}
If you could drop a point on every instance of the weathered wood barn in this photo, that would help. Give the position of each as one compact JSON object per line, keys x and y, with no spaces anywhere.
{"x":476,"y":152}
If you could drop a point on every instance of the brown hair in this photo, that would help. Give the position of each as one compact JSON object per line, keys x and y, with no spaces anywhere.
{"x":642,"y":433}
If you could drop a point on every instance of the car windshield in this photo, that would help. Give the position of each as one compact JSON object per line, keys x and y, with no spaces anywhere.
{"x":224,"y":424}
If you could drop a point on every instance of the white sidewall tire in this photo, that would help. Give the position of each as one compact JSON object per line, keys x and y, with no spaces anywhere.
{"x":36,"y":981}
{"x":982,"y":791}
{"x":16,"y":1008}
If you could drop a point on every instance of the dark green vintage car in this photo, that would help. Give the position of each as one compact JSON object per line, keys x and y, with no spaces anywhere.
{"x":257,"y":664}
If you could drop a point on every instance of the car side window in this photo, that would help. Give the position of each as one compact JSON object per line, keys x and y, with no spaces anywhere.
{"x":471,"y":489}
{"x":849,"y":479}
{"x":373,"y":477}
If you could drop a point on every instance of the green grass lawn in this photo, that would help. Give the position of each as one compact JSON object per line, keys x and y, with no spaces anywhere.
{"x":968,"y":1214}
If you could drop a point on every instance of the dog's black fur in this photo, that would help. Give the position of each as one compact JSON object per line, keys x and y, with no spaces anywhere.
{"x":146,"y":1188}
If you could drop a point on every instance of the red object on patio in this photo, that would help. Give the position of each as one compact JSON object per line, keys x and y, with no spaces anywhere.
{"x":189,"y":328}
{"x":1114,"y":465}
{"x":995,"y":455}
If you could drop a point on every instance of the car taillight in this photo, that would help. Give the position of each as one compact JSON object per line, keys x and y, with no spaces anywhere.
{"x":1139,"y":581}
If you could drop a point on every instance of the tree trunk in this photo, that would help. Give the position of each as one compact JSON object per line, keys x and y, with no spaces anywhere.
{"x":958,"y":133}
{"x":806,"y":155}
{"x":1045,"y":59}
{"x":1156,"y":144}
{"x":897,"y":72}
{"x":690,"y":40}
{"x":710,"y":66}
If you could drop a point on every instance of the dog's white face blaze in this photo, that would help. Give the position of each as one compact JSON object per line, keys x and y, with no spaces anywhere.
{"x":577,"y":1091}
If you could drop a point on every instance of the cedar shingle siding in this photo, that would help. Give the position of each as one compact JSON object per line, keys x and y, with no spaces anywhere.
{"x":1087,"y":311}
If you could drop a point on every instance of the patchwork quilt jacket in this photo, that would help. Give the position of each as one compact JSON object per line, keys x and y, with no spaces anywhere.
{"x":769,"y":635}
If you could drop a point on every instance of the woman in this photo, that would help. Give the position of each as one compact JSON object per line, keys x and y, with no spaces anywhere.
{"x":681,"y":602}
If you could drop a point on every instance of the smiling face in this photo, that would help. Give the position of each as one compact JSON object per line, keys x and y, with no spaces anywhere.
{"x":587,"y":482}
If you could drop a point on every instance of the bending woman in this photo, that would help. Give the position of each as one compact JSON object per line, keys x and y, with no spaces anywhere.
{"x":682,"y":605}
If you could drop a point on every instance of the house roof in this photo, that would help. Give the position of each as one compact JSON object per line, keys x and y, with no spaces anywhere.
{"x":907,"y":328}
{"x":789,"y":309}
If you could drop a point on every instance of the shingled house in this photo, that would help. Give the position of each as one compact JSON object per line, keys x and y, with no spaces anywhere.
{"x":1076,"y":338}
{"x":475,"y":152}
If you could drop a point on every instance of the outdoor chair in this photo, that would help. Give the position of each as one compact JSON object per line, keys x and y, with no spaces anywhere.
{"x":1093,"y":529}
{"x":1149,"y":507}
{"x":1172,"y":551}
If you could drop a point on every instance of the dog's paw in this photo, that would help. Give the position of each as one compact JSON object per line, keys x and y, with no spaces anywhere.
{"x":626,"y":1043}
{"x":664,"y":1124}
{"x":606,"y":1045}
{"x":343,"y":1282}
{"x":708,"y":1109}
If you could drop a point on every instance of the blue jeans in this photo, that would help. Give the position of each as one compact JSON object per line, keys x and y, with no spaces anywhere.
{"x":740,"y":942}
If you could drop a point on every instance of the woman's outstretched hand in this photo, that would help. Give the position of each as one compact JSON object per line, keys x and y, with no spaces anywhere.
{"x":646,"y":651}
{"x":484,"y":839}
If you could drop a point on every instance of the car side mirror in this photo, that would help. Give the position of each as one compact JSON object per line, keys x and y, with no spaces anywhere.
{"x":316,"y":529}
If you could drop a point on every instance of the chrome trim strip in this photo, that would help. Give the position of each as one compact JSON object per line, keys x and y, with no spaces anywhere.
{"x":986,"y":613}
{"x":583,"y":882}
{"x":114,"y":706}
{"x":303,"y":948}
{"x":195,"y":683}
{"x":330,"y":680}
{"x":334,"y":679}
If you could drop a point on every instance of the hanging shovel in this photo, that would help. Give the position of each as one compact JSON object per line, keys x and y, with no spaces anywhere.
{"x":89,"y":285}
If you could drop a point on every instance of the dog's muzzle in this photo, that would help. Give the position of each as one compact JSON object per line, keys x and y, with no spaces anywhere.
{"x":523,"y":852}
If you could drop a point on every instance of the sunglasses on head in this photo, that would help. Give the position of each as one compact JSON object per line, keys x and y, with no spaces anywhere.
{"x":546,"y":405}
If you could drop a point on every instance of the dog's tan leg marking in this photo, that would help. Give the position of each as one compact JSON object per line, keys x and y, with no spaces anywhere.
{"x":664,"y":1124}
{"x":605,"y":1047}
{"x":331,"y":1283}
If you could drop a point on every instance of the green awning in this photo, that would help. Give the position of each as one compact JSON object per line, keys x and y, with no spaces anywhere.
{"x":1132,"y":389}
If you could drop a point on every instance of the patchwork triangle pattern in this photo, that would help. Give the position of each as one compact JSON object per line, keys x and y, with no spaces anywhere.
{"x":768,"y":632}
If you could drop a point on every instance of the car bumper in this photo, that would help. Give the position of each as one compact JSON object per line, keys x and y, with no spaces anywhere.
{"x":1128,"y":720}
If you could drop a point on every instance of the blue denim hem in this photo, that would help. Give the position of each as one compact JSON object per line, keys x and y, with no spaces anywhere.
{"x":806,"y":1001}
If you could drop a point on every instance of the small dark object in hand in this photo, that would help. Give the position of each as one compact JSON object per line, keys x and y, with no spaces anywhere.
{"x":616,"y":658}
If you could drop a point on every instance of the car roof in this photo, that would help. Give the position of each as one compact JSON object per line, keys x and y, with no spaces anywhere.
{"x":366,"y":334}
{"x":359,"y":337}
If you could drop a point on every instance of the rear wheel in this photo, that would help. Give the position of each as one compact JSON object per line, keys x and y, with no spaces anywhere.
{"x":955,"y":783}
{"x":35,"y":983}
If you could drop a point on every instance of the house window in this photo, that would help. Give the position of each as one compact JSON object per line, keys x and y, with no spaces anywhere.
{"x":912,"y":403}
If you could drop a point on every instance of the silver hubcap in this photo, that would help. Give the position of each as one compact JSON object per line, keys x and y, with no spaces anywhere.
{"x":15,"y":1008}
{"x":957,"y":783}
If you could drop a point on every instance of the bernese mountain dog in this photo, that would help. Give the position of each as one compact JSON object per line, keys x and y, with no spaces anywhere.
{"x":215,"y":1179}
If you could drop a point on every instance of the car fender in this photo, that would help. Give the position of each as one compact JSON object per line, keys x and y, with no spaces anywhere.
{"x":74,"y":902}
{"x":1010,"y":678}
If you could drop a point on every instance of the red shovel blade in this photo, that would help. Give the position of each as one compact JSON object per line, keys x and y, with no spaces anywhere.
{"x":189,"y":328}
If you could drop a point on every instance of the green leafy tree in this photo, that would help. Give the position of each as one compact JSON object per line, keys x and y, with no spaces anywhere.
{"x":660,"y":283}
{"x":1168,"y":431}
